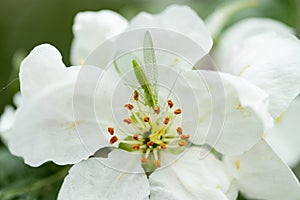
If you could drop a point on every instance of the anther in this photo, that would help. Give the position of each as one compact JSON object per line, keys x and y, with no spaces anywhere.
{"x":128,"y":121}
{"x":185,"y":136}
{"x":179,"y":130}
{"x":177,"y":111}
{"x":111,"y":130}
{"x":136,"y":147}
{"x":166,"y":121}
{"x":129,"y":106}
{"x":135,"y":137}
{"x":170,"y":103}
{"x":157,"y":110}
{"x":146,"y":119}
{"x":163,"y":146}
{"x":150,"y":143}
{"x":135,"y":95}
{"x":182,"y":143}
{"x":157,"y":163}
{"x":114,"y":139}
{"x":144,"y":160}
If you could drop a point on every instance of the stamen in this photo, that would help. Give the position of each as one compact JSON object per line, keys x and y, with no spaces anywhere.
{"x":144,"y":160}
{"x":146,"y":119}
{"x":136,"y":147}
{"x":135,"y":95}
{"x":156,"y":161}
{"x":179,"y":130}
{"x":113,"y":140}
{"x":177,"y":111}
{"x":182,"y":143}
{"x":166,"y":121}
{"x":150,"y":143}
{"x":129,"y":106}
{"x":170,"y":103}
{"x":128,"y":121}
{"x":135,"y":137}
{"x":111,"y":130}
{"x":157,"y":110}
{"x":185,"y":136}
{"x":163,"y":146}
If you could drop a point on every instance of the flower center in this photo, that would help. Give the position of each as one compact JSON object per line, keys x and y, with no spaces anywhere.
{"x":156,"y":129}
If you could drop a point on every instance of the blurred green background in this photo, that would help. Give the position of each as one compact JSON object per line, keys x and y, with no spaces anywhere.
{"x":27,"y":23}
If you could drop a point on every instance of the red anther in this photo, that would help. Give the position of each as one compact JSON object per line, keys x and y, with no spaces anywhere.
{"x":129,"y":106}
{"x":150,"y":143}
{"x":163,"y":146}
{"x":128,"y":121}
{"x":166,"y":121}
{"x":157,"y":110}
{"x":144,"y":160}
{"x":185,"y":136}
{"x":136,"y":147}
{"x":146,"y":119}
{"x":182,"y":143}
{"x":179,"y":130}
{"x":157,"y":163}
{"x":177,"y":111}
{"x":135,"y":137}
{"x":113,"y":139}
{"x":135,"y":95}
{"x":111,"y":130}
{"x":170,"y":103}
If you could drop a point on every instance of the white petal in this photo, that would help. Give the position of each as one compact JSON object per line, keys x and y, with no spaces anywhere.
{"x":190,"y":178}
{"x":229,"y":112}
{"x":271,"y":61}
{"x":42,"y":67}
{"x":262,"y":175}
{"x":244,"y":29}
{"x":284,"y":138}
{"x":91,"y":180}
{"x":181,"y":19}
{"x":91,"y":29}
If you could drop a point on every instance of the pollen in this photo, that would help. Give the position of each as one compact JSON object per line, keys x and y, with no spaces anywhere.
{"x":129,"y":106}
{"x":166,"y":121}
{"x":111,"y":130}
{"x":185,"y":136}
{"x":179,"y":130}
{"x":146,"y":119}
{"x":177,"y":111}
{"x":135,"y":95}
{"x":170,"y":103}
{"x":114,"y":139}
{"x":136,"y":147}
{"x":128,"y":121}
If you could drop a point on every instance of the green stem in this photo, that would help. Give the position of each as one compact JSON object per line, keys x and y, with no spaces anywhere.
{"x":14,"y":192}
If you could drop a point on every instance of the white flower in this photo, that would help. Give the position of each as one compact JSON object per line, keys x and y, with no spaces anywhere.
{"x":265,"y":52}
{"x":66,"y":118}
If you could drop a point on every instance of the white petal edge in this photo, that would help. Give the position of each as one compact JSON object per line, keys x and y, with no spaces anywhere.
{"x":243,"y":29}
{"x":181,"y":19}
{"x":262,"y":175}
{"x":190,"y":178}
{"x":284,"y":137}
{"x":90,"y":29}
{"x":91,"y":180}
{"x":270,"y":61}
